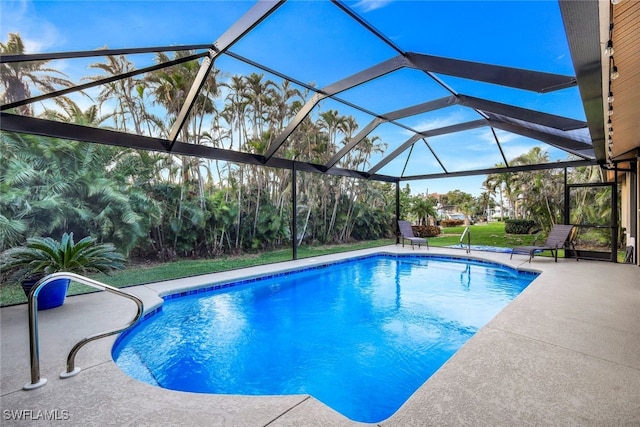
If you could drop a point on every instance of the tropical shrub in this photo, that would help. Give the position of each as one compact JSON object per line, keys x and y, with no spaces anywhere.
{"x":426,"y":230}
{"x":451,"y":222}
{"x":42,"y":256}
{"x":521,"y":226}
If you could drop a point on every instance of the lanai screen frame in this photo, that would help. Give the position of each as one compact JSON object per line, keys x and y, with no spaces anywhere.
{"x":550,"y":129}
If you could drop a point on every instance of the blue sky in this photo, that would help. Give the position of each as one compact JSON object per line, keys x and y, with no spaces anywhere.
{"x":314,"y":42}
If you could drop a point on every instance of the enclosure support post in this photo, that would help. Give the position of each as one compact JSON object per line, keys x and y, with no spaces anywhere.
{"x":294,"y":212}
{"x":633,"y":218}
{"x":397,"y":212}
{"x":567,"y":219}
{"x":614,"y":215}
{"x":566,"y":199}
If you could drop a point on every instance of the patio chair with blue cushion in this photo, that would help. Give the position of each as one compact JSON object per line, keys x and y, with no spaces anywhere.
{"x":406,"y":233}
{"x":559,"y":236}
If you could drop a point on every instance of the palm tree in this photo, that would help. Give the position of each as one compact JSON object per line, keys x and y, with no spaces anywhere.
{"x":588,"y":205}
{"x":31,"y":204}
{"x":485,"y":201}
{"x":68,"y":111}
{"x":169,"y":88}
{"x":500,"y":183}
{"x":56,"y":185}
{"x":128,"y":94}
{"x":467,"y":207}
{"x":287,"y":102}
{"x":539,"y":193}
{"x":332,"y":123}
{"x":522,"y":180}
{"x":259,"y":95}
{"x":422,"y":208}
{"x":19,"y":78}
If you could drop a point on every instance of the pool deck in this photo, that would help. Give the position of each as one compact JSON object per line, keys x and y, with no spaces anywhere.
{"x":564,"y":352}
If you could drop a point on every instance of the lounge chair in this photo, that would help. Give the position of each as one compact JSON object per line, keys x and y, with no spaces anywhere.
{"x":406,"y":232}
{"x":558,"y":237}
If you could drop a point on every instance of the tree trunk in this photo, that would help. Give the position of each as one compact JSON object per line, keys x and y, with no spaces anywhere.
{"x":255,"y":218}
{"x":239,"y":207}
{"x":304,"y":229}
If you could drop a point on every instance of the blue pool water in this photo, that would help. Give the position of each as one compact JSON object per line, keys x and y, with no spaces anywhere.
{"x":360,"y":336}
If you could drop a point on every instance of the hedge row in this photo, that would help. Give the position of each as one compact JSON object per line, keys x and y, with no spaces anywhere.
{"x":425,"y":230}
{"x":520,"y":226}
{"x":451,"y":222}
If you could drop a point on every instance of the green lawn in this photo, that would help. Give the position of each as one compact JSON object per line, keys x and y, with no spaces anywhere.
{"x":491,"y":234}
{"x":140,"y":273}
{"x":485,"y":234}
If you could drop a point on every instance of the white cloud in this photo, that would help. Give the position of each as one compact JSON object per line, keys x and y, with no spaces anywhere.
{"x":513,"y":151}
{"x":369,"y":5}
{"x":47,"y":36}
{"x":37,"y":34}
{"x":503,"y":136}
{"x":13,"y":10}
{"x":435,"y":123}
{"x":508,"y":137}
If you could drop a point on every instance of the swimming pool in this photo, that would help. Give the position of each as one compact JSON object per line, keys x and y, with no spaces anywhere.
{"x":360,"y":336}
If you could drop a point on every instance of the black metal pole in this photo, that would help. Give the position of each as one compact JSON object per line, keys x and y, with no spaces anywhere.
{"x":294,"y":211}
{"x":566,"y":199}
{"x":567,"y":214}
{"x":614,"y":215}
{"x":633,"y":198}
{"x":397,"y":212}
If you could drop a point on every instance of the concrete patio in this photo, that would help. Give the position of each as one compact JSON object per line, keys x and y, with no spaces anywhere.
{"x":564,"y":352}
